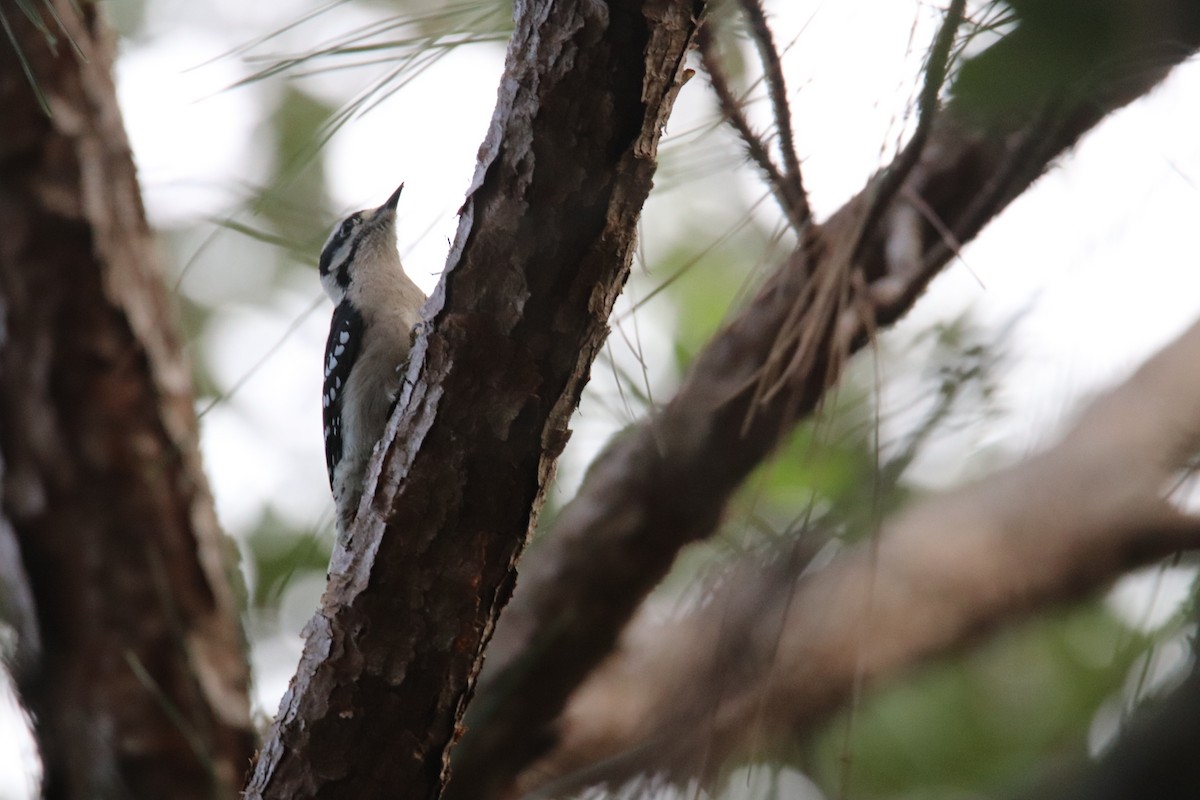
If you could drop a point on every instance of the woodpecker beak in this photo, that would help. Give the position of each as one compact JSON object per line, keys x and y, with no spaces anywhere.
{"x":390,"y":205}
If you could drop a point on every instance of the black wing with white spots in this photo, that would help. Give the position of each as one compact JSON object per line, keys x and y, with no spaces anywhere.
{"x":341,"y":351}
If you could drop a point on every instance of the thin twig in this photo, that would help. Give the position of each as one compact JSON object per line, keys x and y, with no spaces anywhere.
{"x":731,"y":109}
{"x":935,"y":76}
{"x":793,"y":185}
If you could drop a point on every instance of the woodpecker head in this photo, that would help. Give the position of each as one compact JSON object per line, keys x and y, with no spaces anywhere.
{"x":364,"y":237}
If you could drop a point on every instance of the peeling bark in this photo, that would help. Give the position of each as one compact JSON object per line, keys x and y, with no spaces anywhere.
{"x":543,"y":248}
{"x":129,"y":655}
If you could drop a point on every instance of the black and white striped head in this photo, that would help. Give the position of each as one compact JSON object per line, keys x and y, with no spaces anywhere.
{"x":361,"y":233}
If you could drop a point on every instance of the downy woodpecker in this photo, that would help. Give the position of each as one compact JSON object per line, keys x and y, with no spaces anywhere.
{"x":376,"y":307}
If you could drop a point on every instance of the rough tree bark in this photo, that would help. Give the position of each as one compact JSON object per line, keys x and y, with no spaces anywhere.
{"x":129,"y":655}
{"x":1017,"y":106}
{"x":543,"y":249}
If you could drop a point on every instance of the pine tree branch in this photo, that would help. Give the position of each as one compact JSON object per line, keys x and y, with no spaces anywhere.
{"x":665,"y":483}
{"x":789,"y":192}
{"x":775,"y":648}
{"x":768,"y":54}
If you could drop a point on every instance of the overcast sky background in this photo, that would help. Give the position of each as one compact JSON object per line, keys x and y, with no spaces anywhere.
{"x":1099,"y":259}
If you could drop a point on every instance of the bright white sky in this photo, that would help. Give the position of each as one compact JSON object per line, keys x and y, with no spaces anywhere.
{"x":1101,"y":255}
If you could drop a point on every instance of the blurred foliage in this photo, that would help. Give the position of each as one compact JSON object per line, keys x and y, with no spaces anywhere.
{"x":405,"y":44}
{"x":294,"y":124}
{"x":991,"y":719}
{"x":279,"y":553}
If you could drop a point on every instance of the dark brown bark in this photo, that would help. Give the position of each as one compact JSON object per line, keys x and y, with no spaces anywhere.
{"x":666,"y":483}
{"x":130,"y":658}
{"x":543,"y":249}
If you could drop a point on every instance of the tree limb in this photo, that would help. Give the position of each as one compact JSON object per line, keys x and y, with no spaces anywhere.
{"x":773,"y":650}
{"x":665,"y":483}
{"x":936,"y":68}
{"x":543,"y":248}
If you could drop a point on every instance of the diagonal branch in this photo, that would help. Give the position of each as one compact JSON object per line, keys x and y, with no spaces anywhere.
{"x":937,"y":66}
{"x":773,"y":650}
{"x":544,"y":245}
{"x":665,"y":483}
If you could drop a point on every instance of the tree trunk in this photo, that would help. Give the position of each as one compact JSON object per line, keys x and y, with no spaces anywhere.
{"x":543,"y":248}
{"x":129,"y":658}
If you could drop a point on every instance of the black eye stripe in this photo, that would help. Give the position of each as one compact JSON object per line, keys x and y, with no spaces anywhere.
{"x":343,"y":274}
{"x":344,"y":232}
{"x":339,"y":237}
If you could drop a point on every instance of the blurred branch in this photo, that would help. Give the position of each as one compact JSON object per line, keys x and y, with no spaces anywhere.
{"x":936,"y":68}
{"x":774,"y":650}
{"x":665,"y":483}
{"x":116,"y":578}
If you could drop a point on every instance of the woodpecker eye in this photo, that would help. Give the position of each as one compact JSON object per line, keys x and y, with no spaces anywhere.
{"x":348,"y":226}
